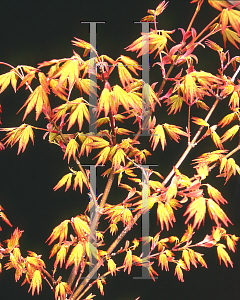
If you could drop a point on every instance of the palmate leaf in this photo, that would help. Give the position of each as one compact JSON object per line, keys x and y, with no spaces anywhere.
{"x":79,"y":111}
{"x":157,"y":135}
{"x":174,"y":131}
{"x":39,"y":100}
{"x":130,"y":63}
{"x":111,"y":266}
{"x":215,"y":194}
{"x":79,"y":179}
{"x":124,"y":75}
{"x":229,"y":134}
{"x":155,"y":41}
{"x":219,"y":5}
{"x":223,"y":255}
{"x":128,"y":262}
{"x":62,"y":289}
{"x":80,"y":226}
{"x":36,"y":282}
{"x":66,"y":179}
{"x":200,"y":121}
{"x":175,"y":102}
{"x":118,"y":158}
{"x":196,"y":208}
{"x":165,"y":215}
{"x":231,"y":36}
{"x":215,"y":213}
{"x":61,"y":256}
{"x":103,"y":155}
{"x":71,"y":149}
{"x":178,"y":270}
{"x":87,"y":86}
{"x":19,"y":134}
{"x":104,"y":102}
{"x":75,"y":256}
{"x":60,"y":231}
{"x":69,"y":71}
{"x":6,"y":78}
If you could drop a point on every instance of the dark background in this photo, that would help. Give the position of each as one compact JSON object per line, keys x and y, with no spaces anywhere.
{"x":34,"y":31}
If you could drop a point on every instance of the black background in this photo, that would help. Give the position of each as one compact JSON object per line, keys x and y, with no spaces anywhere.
{"x":35,"y":31}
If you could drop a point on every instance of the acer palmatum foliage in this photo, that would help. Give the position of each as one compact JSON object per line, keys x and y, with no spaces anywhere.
{"x":122,"y":153}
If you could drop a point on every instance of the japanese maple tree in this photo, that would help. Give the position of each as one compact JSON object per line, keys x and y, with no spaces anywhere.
{"x":132,"y":103}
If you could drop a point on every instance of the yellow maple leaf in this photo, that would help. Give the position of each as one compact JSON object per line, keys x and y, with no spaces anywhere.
{"x":111,"y":266}
{"x":215,"y":194}
{"x":60,"y":231}
{"x":36,"y":282}
{"x":154,"y":40}
{"x":80,"y":226}
{"x":39,"y":100}
{"x":229,"y":134}
{"x":62,"y":289}
{"x":163,"y":261}
{"x":118,"y":158}
{"x":79,"y":179}
{"x":157,"y":135}
{"x":223,"y":255}
{"x":61,"y":256}
{"x":128,"y":261}
{"x":66,"y":179}
{"x":196,"y":208}
{"x":69,"y":71}
{"x":6,"y":78}
{"x":78,"y":112}
{"x":215,"y":213}
{"x":178,"y":270}
{"x":19,"y":134}
{"x":71,"y":149}
{"x":75,"y":256}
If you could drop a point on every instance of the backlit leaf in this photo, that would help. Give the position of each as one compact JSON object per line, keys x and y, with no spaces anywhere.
{"x":223,"y":255}
{"x":60,"y":231}
{"x":196,"y":208}
{"x":61,"y":291}
{"x":71,"y":149}
{"x":79,"y":179}
{"x":76,"y":256}
{"x":215,"y":213}
{"x":39,"y":100}
{"x":229,"y":134}
{"x":66,"y":179}
{"x":36,"y":282}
